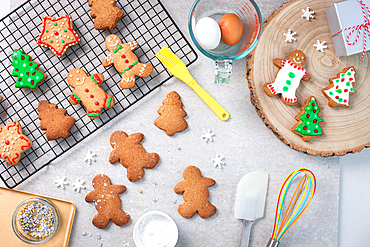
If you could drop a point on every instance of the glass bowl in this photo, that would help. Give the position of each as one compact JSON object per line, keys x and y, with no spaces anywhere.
{"x":35,"y":221}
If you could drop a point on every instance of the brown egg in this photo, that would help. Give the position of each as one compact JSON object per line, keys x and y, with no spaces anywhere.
{"x":231,"y":29}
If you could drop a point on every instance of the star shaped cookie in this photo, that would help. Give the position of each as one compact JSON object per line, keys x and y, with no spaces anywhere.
{"x":13,"y":142}
{"x":58,"y":34}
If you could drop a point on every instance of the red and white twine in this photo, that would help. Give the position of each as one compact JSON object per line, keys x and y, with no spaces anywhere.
{"x":365,"y":26}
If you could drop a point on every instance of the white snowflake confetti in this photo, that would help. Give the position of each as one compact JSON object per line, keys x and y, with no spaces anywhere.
{"x":174,"y":201}
{"x":218,"y":161}
{"x":126,"y":245}
{"x":155,"y":199}
{"x":60,"y":182}
{"x":289,"y":37}
{"x":154,"y":183}
{"x":208,"y":135}
{"x":307,"y":13}
{"x":320,"y":46}
{"x":89,"y":157}
{"x":79,"y":185}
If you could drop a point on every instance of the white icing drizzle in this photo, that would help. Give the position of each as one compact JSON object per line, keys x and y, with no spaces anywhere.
{"x":142,"y":69}
{"x":115,"y":44}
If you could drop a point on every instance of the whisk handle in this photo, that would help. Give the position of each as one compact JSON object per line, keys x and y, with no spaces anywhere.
{"x":244,"y":242}
{"x":272,"y":243}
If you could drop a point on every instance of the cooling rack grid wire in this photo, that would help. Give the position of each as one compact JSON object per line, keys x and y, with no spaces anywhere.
{"x":145,"y":21}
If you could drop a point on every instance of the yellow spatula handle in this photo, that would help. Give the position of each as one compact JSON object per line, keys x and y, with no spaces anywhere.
{"x":216,"y":107}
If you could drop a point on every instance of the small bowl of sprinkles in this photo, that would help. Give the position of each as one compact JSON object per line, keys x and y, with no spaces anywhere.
{"x":35,"y":221}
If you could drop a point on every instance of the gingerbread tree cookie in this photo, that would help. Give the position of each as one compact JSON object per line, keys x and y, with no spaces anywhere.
{"x":13,"y":143}
{"x":172,"y":115}
{"x":88,"y":91}
{"x":58,"y":34}
{"x":26,"y":71}
{"x":309,"y":120}
{"x":55,"y":121}
{"x":107,"y":202}
{"x":195,"y":193}
{"x":288,"y":77}
{"x":341,"y":87}
{"x":125,"y":61}
{"x":106,"y":14}
{"x":131,"y":154}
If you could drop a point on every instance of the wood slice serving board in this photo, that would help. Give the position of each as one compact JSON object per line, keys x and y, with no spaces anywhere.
{"x":346,"y":130}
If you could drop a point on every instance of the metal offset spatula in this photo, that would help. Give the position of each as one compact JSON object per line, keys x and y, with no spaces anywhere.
{"x":250,"y":201}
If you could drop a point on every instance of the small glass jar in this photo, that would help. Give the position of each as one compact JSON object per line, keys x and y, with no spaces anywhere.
{"x":35,"y":221}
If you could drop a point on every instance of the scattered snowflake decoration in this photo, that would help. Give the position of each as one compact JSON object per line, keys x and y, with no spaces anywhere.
{"x":60,"y":182}
{"x":79,"y":185}
{"x":218,"y":161}
{"x":126,"y":245}
{"x":208,"y":135}
{"x":89,"y":157}
{"x":289,"y":36}
{"x":307,"y":13}
{"x":84,"y":234}
{"x":174,"y":201}
{"x":155,"y":199}
{"x":154,"y":183}
{"x":320,"y":46}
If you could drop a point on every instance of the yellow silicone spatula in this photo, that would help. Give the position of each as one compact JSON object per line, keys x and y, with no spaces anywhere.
{"x":177,"y":68}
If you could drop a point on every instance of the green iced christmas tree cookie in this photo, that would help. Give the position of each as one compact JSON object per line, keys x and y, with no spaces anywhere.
{"x":26,"y":71}
{"x":308,"y":125}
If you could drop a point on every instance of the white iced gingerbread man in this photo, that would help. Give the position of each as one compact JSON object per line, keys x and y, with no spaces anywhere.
{"x":125,"y":61}
{"x":288,"y":77}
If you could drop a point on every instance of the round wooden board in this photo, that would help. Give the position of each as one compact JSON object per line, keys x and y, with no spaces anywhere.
{"x":346,"y":130}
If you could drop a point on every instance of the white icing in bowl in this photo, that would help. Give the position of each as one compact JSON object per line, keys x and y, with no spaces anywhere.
{"x":155,"y":229}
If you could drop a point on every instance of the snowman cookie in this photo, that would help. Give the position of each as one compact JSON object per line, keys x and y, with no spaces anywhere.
{"x":88,"y":92}
{"x":288,"y":77}
{"x":125,"y":61}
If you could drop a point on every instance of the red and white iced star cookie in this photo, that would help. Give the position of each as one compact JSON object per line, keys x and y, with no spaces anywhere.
{"x":58,"y":34}
{"x":13,"y":142}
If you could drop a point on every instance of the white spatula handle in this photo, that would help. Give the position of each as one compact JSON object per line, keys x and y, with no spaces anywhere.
{"x":244,"y":242}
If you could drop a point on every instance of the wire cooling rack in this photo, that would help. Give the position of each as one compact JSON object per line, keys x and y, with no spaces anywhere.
{"x":146,"y":21}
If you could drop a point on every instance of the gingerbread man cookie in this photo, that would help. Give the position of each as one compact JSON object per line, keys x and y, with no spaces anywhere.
{"x":58,"y":34}
{"x":13,"y":143}
{"x":106,"y":14}
{"x":88,"y":91}
{"x":288,"y":77}
{"x":195,"y":193}
{"x":131,"y":154}
{"x":107,"y":202}
{"x":125,"y":61}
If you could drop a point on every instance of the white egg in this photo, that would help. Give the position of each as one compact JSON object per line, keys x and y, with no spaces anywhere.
{"x":208,"y":33}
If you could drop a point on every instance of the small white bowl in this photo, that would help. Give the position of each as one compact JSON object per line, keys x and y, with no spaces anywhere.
{"x":155,"y":229}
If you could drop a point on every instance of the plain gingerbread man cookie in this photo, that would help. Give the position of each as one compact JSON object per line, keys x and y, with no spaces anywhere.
{"x":195,"y":193}
{"x":288,"y":77}
{"x":131,"y":154}
{"x":107,"y":202}
{"x":106,"y":14}
{"x":125,"y":61}
{"x":88,"y":91}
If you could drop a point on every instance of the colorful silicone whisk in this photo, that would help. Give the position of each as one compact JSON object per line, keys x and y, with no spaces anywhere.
{"x":298,"y":204}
